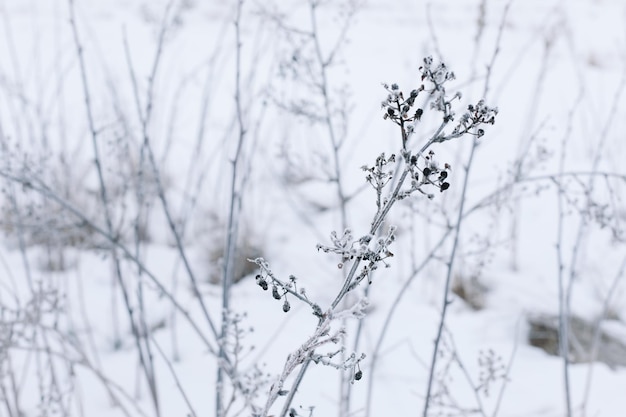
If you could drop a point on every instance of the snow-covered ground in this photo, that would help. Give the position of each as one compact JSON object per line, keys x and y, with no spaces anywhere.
{"x":544,"y":203}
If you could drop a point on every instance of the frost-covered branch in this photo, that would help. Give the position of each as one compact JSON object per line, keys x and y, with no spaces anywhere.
{"x":364,"y":254}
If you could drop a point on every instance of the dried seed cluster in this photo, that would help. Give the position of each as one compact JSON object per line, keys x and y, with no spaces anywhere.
{"x":433,"y":174}
{"x":402,"y":109}
{"x":277,"y":294}
{"x":366,"y":248}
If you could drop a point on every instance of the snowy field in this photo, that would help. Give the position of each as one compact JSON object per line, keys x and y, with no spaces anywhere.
{"x":201,"y":214}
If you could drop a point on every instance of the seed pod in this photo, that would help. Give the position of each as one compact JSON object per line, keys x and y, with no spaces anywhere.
{"x":275,"y":293}
{"x":358,"y":375}
{"x":261,"y":282}
{"x":286,"y":306}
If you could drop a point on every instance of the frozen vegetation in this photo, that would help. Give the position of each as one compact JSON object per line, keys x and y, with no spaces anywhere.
{"x":312,"y":208}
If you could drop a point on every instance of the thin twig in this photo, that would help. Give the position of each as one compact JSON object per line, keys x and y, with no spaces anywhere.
{"x":145,"y":364}
{"x":450,"y":263}
{"x":175,"y":376}
{"x":230,"y":251}
{"x":40,"y":187}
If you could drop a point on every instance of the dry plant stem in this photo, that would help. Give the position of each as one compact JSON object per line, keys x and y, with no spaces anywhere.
{"x":508,"y":371}
{"x":565,"y":293}
{"x":563,"y":302}
{"x":233,"y":220}
{"x":175,"y":376}
{"x":7,"y":404}
{"x":384,"y":211}
{"x":139,"y":194}
{"x":145,"y":120}
{"x":446,"y":300}
{"x":396,"y":302}
{"x":432,"y":31}
{"x":323,"y":86}
{"x":82,"y":361}
{"x":300,"y":357}
{"x":48,"y":193}
{"x":336,"y":143}
{"x":161,"y":191}
{"x":496,"y":50}
{"x":480,"y":31}
{"x":583,"y":223}
{"x":54,"y":378}
{"x":376,"y":224}
{"x":357,"y":342}
{"x":147,"y":366}
{"x":85,"y":318}
{"x":494,"y":195}
{"x":319,"y":79}
{"x":15,"y":208}
{"x":191,"y":197}
{"x":524,"y":145}
{"x":460,"y":216}
{"x":468,"y":378}
{"x":14,"y":394}
{"x":595,"y":344}
{"x":294,"y":388}
{"x":18,"y":75}
{"x":20,"y":236}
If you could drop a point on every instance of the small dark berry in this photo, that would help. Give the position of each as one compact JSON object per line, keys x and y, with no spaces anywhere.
{"x":286,"y":306}
{"x":445,"y":186}
{"x":358,"y":375}
{"x":275,"y":293}
{"x":427,"y":171}
{"x":390,"y":111}
{"x":443,"y":175}
{"x":261,"y":281}
{"x":413,"y":160}
{"x":418,"y":114}
{"x":480,"y":133}
{"x":405,"y":108}
{"x":414,"y":93}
